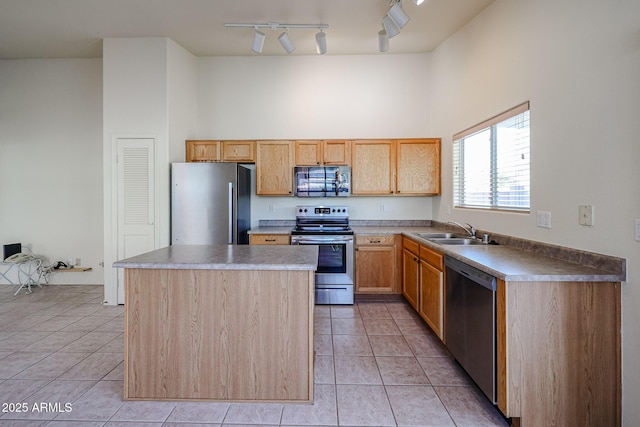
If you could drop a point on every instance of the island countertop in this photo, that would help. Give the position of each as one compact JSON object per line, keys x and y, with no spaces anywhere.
{"x":225,"y":257}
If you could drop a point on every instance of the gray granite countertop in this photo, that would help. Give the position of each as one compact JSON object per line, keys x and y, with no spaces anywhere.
{"x":226,"y":257}
{"x":514,"y":264}
{"x":513,"y":259}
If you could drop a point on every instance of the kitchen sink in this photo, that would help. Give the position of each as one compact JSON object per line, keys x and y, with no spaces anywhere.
{"x":438,"y":235}
{"x":456,"y":241}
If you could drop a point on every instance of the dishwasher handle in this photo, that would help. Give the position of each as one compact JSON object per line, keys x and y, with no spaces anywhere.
{"x":478,"y":276}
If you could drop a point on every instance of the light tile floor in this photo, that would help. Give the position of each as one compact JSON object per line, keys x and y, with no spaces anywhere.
{"x":377,"y":364}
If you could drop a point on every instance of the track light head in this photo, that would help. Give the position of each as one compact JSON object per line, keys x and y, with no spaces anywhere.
{"x":286,"y":42}
{"x":258,"y":42}
{"x":321,"y":43}
{"x":400,"y":18}
{"x":390,"y":27}
{"x":383,"y":41}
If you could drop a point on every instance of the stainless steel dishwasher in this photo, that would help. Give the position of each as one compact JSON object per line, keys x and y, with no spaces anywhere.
{"x":470,"y":331}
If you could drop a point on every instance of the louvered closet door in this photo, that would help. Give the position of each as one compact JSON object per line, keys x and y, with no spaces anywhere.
{"x":136,"y":201}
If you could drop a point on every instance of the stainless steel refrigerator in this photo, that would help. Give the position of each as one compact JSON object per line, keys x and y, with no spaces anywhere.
{"x":210,"y":203}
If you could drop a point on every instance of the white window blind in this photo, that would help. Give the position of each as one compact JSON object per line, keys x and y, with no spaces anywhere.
{"x":491,"y":163}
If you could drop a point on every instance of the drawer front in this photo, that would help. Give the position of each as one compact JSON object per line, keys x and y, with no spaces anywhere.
{"x":384,"y":240}
{"x":411,"y":245}
{"x":434,"y":258}
{"x":269,"y":239}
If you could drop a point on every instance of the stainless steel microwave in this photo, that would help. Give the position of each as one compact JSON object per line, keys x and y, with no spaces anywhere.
{"x":322,"y":181}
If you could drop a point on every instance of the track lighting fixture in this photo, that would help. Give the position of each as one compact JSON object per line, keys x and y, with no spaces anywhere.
{"x":400,"y":18}
{"x":392,"y":22}
{"x":286,"y":42}
{"x":390,"y":27}
{"x":258,"y":41}
{"x":259,"y":37}
{"x":383,"y":41}
{"x":321,"y":43}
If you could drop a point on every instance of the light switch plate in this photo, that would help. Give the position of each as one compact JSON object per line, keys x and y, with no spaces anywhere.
{"x":543,"y":219}
{"x":586,"y":215}
{"x":636,"y":225}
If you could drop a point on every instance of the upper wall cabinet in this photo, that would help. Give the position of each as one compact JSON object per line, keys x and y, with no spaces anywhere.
{"x":274,"y":168}
{"x":408,"y":167}
{"x":238,"y":151}
{"x":373,"y":167}
{"x":418,"y":166}
{"x":325,"y":153}
{"x":202,"y":150}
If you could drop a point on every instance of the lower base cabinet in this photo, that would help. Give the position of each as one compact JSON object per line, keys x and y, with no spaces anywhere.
{"x":410,"y":271}
{"x":423,"y":283}
{"x":431,"y":289}
{"x":375,"y":270}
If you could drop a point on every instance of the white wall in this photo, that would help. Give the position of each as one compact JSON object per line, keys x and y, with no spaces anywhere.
{"x":51,"y":161}
{"x":579,"y":64}
{"x":149,"y":87}
{"x":318,"y":97}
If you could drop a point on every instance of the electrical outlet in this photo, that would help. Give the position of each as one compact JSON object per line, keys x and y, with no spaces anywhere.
{"x":586,"y":215}
{"x":381,"y":208}
{"x":543,"y":219}
{"x":78,"y":260}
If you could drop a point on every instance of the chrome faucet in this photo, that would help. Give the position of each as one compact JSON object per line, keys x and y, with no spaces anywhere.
{"x":470,"y":230}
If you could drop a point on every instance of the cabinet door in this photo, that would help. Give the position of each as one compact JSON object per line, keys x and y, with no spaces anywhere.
{"x":418,"y":166}
{"x":375,"y":269}
{"x":274,"y":168}
{"x":337,"y":153}
{"x":202,"y":151}
{"x":238,"y":151}
{"x":373,"y":167}
{"x":430,"y":306}
{"x":308,"y":153}
{"x":410,"y":274}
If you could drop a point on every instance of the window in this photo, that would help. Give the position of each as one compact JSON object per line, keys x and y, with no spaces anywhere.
{"x":491,"y":168}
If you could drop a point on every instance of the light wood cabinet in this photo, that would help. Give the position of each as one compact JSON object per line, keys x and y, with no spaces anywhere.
{"x":269,"y":239}
{"x":418,"y":166}
{"x":396,"y":167}
{"x":202,"y":150}
{"x":431,"y":289}
{"x":274,"y":168}
{"x":375,"y":264}
{"x":559,"y":353}
{"x":373,"y":167}
{"x":238,"y":151}
{"x":322,"y":153}
{"x":410,"y":271}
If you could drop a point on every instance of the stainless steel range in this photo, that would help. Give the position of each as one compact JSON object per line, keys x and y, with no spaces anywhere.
{"x":328,"y":227}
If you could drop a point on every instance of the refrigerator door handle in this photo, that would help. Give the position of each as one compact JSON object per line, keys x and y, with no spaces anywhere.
{"x":230,"y":213}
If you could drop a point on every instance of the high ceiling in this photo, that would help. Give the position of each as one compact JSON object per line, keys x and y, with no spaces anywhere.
{"x":75,"y":28}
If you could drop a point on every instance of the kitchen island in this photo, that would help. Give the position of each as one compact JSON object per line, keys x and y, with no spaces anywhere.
{"x":220,"y":323}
